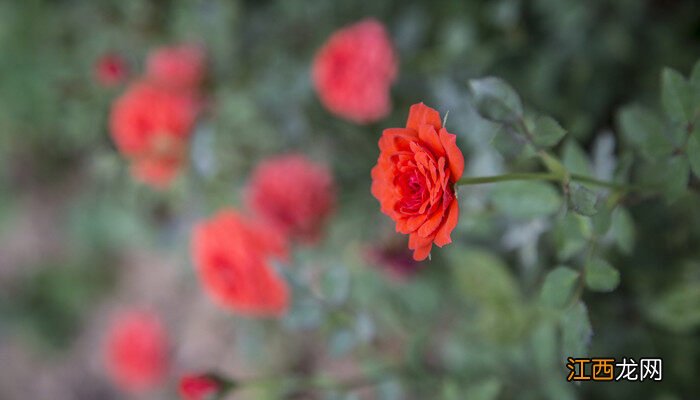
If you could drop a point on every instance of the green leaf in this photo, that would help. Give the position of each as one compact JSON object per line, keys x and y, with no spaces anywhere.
{"x":676,"y":96}
{"x":644,"y":130}
{"x":570,"y":235}
{"x":622,"y":230}
{"x":575,"y":159}
{"x":582,"y":200}
{"x":481,"y":275}
{"x":601,"y":276}
{"x":693,"y":152}
{"x":602,"y":220}
{"x":558,"y":287}
{"x":526,"y":199}
{"x":496,"y":100}
{"x":576,"y":331}
{"x":678,"y":309}
{"x":676,"y":174}
{"x":547,"y":131}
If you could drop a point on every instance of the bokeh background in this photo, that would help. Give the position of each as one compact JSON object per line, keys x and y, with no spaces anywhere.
{"x":79,"y":238}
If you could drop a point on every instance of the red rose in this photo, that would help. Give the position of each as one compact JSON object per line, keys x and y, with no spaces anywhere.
{"x":151,"y":126}
{"x":353,"y":71}
{"x":180,"y":67}
{"x":231,"y":255}
{"x":110,"y":70}
{"x":136,"y":350}
{"x":414,"y":179}
{"x":198,"y":387}
{"x":293,"y":194}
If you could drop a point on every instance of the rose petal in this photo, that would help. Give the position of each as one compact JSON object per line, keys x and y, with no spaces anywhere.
{"x":442,"y":237}
{"x":420,"y":114}
{"x":454,"y":155}
{"x":422,"y":253}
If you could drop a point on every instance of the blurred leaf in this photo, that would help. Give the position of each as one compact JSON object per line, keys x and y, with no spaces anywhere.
{"x":601,"y":276}
{"x":678,"y":309}
{"x":558,"y":287}
{"x":487,"y":389}
{"x":547,"y":132}
{"x":677,"y":174}
{"x":693,"y":152}
{"x":576,"y":331}
{"x":582,"y":200}
{"x":575,"y":159}
{"x":496,"y":100}
{"x":602,"y":220}
{"x":571,"y":233}
{"x":622,"y":230}
{"x":676,"y":96}
{"x":482,"y":275}
{"x":526,"y":199}
{"x":644,"y":130}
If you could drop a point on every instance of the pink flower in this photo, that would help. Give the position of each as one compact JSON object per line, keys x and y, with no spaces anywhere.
{"x":180,"y":67}
{"x":354,"y":70}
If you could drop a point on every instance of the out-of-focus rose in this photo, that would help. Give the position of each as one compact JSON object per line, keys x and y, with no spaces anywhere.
{"x":354,"y":70}
{"x":414,"y":179}
{"x":394,"y":258}
{"x":136,"y":350}
{"x":231,"y":254}
{"x":151,"y":126}
{"x":110,"y":70}
{"x":198,"y":387}
{"x":293,"y":194}
{"x":180,"y":67}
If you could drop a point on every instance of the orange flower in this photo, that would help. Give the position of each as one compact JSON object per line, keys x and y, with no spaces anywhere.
{"x":353,"y":72}
{"x":231,"y":255}
{"x":136,"y":350}
{"x":414,"y":179}
{"x":151,"y":126}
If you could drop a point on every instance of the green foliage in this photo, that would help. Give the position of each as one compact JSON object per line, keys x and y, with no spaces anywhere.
{"x":495,"y":100}
{"x":558,"y":287}
{"x":547,"y":131}
{"x":525,"y":199}
{"x":601,"y":276}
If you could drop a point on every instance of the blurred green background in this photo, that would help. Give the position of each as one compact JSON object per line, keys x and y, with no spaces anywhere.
{"x":79,"y":238}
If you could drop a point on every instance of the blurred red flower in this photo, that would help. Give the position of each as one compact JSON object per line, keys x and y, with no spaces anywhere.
{"x":293,"y":194}
{"x":414,"y":179}
{"x":394,"y":258}
{"x":136,"y":350}
{"x":231,"y":255}
{"x":151,"y":126}
{"x":198,"y":387}
{"x":180,"y":67}
{"x":353,"y":72}
{"x":110,"y":70}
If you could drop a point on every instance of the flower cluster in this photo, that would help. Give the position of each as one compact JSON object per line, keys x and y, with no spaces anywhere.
{"x":153,"y":119}
{"x":291,"y":197}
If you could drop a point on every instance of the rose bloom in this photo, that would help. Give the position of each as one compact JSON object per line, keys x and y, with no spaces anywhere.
{"x":353,"y":72}
{"x":179,"y":67}
{"x":151,"y":126}
{"x":110,"y":70}
{"x":136,"y":350}
{"x":414,"y":179}
{"x":198,"y":387}
{"x":293,"y":194}
{"x":231,"y":255}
